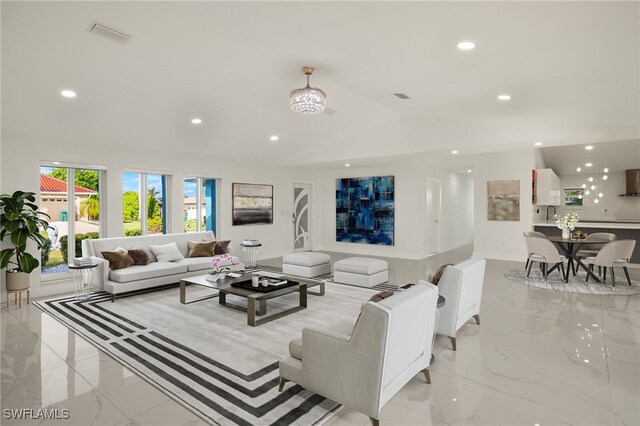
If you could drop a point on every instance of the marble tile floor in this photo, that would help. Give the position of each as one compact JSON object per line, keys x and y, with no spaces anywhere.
{"x":539,"y":358}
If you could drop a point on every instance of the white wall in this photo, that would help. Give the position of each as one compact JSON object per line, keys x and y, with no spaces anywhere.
{"x":611,"y":206}
{"x":494,"y":239}
{"x":456,"y":226}
{"x":21,"y":167}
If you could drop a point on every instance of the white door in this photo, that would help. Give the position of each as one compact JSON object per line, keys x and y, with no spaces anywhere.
{"x":433,"y":215}
{"x":301,"y":216}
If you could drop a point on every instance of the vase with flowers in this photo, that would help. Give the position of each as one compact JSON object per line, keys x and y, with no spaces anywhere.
{"x":221,"y":265}
{"x":567,"y":223}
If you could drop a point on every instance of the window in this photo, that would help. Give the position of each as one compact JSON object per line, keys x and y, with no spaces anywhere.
{"x":144,"y":203}
{"x":71,"y":197}
{"x":200,"y":204}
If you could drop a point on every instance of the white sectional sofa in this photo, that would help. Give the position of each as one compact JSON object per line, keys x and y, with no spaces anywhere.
{"x":154,"y":274}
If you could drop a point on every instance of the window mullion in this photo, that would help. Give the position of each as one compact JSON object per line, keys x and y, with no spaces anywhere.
{"x":71,"y":215}
{"x":143,"y":203}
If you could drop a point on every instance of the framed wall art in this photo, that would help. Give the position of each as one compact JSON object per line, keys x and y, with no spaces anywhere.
{"x":365,"y":210}
{"x":573,"y":198}
{"x":503,"y":203}
{"x":252,"y":204}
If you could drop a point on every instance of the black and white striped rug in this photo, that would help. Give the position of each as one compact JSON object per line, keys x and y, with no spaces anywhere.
{"x":219,"y":392}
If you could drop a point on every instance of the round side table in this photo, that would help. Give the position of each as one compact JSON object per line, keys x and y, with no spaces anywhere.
{"x":250,"y":254}
{"x":82,"y":279}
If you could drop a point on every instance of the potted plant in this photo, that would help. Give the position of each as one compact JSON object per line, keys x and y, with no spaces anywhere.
{"x":20,"y":221}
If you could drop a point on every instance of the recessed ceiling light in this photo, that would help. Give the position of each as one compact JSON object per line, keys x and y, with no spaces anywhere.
{"x":588,"y":164}
{"x":469,"y":171}
{"x":196,"y":121}
{"x":466,"y":45}
{"x":504,"y":97}
{"x":347,"y":165}
{"x":579,"y":169}
{"x":274,"y":138}
{"x":538,"y":143}
{"x":588,"y":147}
{"x":68,"y":93}
{"x":454,"y":152}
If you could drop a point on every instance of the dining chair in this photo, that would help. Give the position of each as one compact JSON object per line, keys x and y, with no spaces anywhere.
{"x":591,"y":250}
{"x":531,"y":234}
{"x":616,"y":253}
{"x":545,"y":253}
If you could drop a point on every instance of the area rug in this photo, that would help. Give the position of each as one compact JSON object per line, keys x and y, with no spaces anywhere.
{"x":576,"y":284}
{"x":204,"y":355}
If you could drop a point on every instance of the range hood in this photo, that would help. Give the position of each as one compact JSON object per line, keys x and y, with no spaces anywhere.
{"x":633,"y":183}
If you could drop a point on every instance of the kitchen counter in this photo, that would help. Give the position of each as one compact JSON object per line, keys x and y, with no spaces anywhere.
{"x":614,"y":224}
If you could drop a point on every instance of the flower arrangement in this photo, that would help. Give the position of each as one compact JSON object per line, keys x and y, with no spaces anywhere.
{"x":219,"y":260}
{"x":567,"y":222}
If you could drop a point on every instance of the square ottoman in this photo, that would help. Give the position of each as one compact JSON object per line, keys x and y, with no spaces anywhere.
{"x":306,"y":264}
{"x":360,"y":271}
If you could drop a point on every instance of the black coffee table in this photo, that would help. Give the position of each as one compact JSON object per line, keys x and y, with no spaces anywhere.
{"x":254,"y":297}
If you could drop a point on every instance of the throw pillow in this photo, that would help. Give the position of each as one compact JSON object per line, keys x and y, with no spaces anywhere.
{"x":139,"y":256}
{"x":221,"y":247}
{"x":152,"y":257}
{"x":204,"y":249}
{"x":381,"y":296}
{"x":117,"y":259}
{"x":438,"y":275}
{"x":167,"y":252}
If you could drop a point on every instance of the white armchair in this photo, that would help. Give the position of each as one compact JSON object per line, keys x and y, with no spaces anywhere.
{"x":461,"y":286}
{"x":365,"y":367}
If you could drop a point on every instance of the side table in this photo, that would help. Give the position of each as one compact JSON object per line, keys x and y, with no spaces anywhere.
{"x":82,"y":279}
{"x":250,"y":254}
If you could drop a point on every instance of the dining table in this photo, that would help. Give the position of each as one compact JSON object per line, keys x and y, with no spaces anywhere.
{"x":570,"y":247}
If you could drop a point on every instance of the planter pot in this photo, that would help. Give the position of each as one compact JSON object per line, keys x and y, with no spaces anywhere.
{"x":566,"y":234}
{"x":18,"y":280}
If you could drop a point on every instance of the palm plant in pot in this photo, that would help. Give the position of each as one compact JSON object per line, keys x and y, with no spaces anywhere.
{"x":20,"y":221}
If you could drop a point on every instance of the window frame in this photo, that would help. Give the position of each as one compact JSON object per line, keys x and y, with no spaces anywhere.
{"x":46,"y":278}
{"x":200,"y":178}
{"x":142,"y":204}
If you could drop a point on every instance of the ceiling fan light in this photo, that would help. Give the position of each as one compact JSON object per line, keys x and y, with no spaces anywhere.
{"x":308,"y":100}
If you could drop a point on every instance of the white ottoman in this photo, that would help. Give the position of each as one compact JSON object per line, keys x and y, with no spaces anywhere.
{"x":360,"y":271}
{"x":306,"y":264}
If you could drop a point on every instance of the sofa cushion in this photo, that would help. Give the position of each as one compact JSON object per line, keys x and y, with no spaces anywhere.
{"x":201,"y":249}
{"x":295,"y":348}
{"x":152,"y":257}
{"x":221,"y":247}
{"x":361,"y":265}
{"x":140,"y":257}
{"x":167,"y":252}
{"x":152,"y":270}
{"x":306,"y":258}
{"x":196,"y":263}
{"x":118,"y":259}
{"x":381,"y":296}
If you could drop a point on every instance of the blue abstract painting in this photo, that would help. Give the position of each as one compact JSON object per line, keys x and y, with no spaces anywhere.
{"x":365,"y":210}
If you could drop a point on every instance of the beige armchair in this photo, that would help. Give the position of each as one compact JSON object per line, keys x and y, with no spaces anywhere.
{"x":365,"y":367}
{"x":531,"y":234}
{"x":545,"y":253}
{"x":591,"y":250}
{"x":614,"y":254}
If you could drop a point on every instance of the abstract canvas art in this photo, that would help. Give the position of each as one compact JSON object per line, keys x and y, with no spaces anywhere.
{"x":503,"y":200}
{"x":252,"y":204}
{"x":365,"y":210}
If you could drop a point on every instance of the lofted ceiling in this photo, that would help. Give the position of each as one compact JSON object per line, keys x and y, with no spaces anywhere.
{"x":571,"y":67}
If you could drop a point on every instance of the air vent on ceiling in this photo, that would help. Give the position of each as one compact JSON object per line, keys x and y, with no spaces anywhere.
{"x":402,"y":96}
{"x":330,"y":111}
{"x":108,"y":33}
